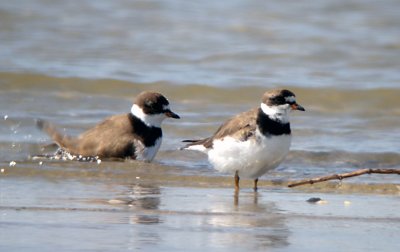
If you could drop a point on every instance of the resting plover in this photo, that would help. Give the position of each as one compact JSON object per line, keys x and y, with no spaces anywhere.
{"x":135,"y":135}
{"x":254,"y":142}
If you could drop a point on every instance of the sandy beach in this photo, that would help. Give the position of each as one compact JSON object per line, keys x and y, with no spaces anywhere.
{"x":131,"y":206}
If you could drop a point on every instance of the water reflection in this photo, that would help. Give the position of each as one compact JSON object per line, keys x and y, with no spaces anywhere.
{"x":140,"y":198}
{"x":236,"y":197}
{"x":145,"y":196}
{"x":252,"y":223}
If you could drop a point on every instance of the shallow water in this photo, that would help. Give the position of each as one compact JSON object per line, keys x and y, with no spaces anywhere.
{"x":341,"y":130}
{"x":75,"y":66}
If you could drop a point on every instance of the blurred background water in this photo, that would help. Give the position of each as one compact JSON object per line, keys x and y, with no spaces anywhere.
{"x":345,"y":44}
{"x":77,"y":62}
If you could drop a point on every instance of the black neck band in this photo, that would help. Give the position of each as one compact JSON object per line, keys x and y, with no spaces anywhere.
{"x":270,"y":127}
{"x":146,"y":134}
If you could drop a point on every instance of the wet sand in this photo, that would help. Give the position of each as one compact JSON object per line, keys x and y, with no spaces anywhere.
{"x":120,"y":206}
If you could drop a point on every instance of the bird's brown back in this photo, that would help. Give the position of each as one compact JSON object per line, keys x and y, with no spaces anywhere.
{"x":241,"y":126}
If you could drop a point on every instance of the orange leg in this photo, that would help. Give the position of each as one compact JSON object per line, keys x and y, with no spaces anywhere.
{"x":237,"y":181}
{"x":255,"y":185}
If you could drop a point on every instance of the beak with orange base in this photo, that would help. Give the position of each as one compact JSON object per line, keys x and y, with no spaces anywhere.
{"x":296,"y":106}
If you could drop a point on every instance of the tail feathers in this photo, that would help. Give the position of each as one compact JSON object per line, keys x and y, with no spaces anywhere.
{"x":190,"y":141}
{"x":198,"y":145}
{"x":61,"y":140}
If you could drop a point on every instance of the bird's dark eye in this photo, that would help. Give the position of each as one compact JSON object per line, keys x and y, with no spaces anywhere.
{"x":155,"y":107}
{"x":149,"y":104}
{"x":151,"y":107}
{"x":278,"y":100}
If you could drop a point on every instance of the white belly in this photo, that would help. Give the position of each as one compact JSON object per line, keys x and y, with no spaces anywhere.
{"x":251,"y":158}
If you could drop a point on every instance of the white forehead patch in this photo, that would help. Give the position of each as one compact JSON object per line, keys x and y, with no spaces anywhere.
{"x":290,"y":99}
{"x":165,"y":107}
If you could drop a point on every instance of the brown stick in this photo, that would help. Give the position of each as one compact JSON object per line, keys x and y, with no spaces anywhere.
{"x":344,"y":175}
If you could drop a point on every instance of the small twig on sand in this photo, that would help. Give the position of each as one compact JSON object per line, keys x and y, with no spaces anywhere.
{"x":344,"y":175}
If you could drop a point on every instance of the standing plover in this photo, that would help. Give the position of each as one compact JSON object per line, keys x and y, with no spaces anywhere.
{"x":254,"y":142}
{"x":135,"y":135}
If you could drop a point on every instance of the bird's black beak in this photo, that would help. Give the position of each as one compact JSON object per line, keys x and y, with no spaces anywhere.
{"x":171,"y":114}
{"x":296,"y":106}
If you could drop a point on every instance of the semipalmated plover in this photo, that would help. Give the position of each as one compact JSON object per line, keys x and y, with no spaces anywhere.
{"x":135,"y":135}
{"x":254,"y":142}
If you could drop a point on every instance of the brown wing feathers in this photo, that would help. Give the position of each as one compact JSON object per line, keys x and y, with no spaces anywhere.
{"x":242,"y":125}
{"x":111,"y":138}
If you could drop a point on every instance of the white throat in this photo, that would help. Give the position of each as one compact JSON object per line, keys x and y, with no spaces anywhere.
{"x":278,"y":113}
{"x":154,"y":120}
